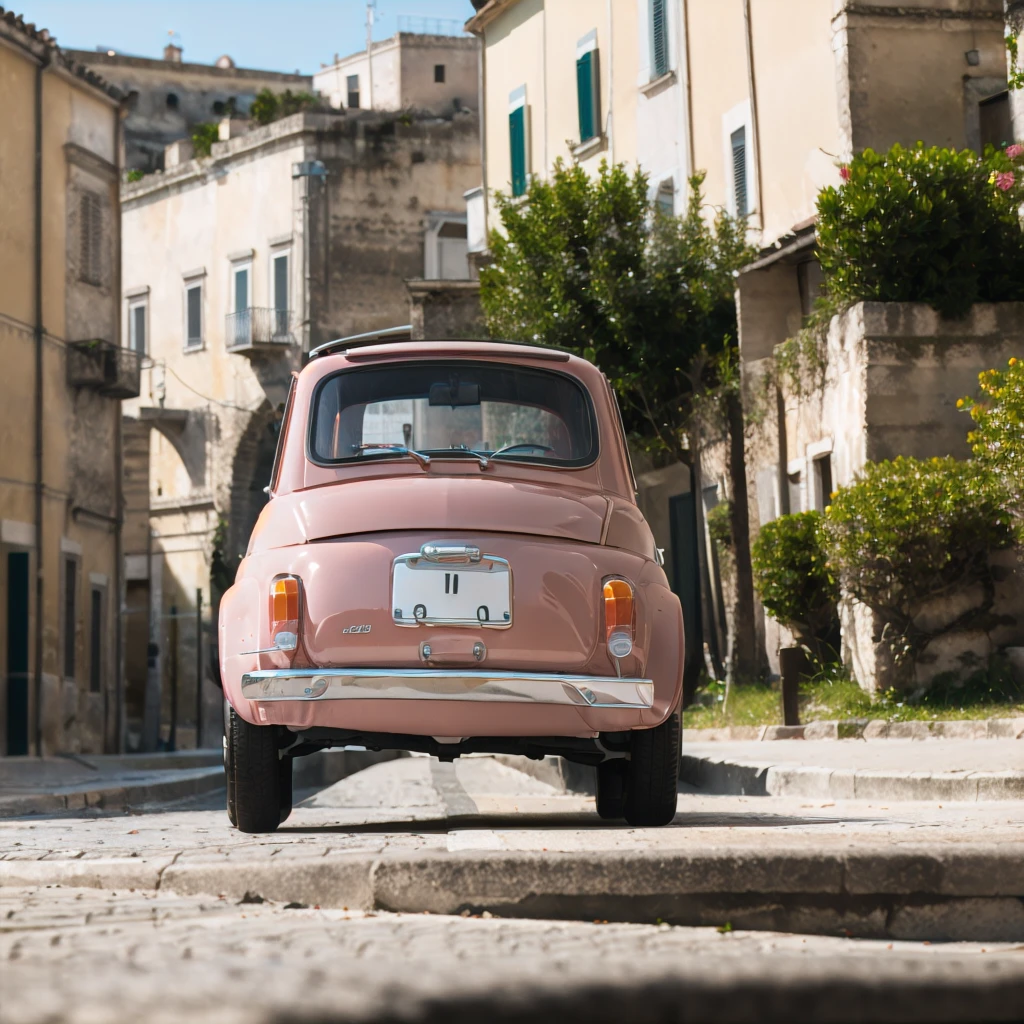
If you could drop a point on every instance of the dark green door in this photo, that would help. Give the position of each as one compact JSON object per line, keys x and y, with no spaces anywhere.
{"x":686,"y":581}
{"x":17,"y":652}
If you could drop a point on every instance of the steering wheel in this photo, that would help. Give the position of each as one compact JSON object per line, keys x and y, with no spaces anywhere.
{"x":513,"y":447}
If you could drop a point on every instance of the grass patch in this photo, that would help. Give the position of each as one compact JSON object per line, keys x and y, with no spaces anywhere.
{"x":832,"y":694}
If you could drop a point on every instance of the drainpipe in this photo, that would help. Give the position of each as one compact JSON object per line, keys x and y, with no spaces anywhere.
{"x":684,"y":68}
{"x":754,"y":125}
{"x":610,"y":118}
{"x":37,"y":249}
{"x":481,"y":72}
{"x":119,"y":575}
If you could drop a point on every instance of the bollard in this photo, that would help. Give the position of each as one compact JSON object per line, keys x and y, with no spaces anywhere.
{"x":794,"y":665}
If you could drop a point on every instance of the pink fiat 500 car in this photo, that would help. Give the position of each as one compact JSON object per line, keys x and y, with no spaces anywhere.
{"x":452,"y":561}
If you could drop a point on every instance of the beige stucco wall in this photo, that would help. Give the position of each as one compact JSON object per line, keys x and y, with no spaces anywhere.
{"x":80,"y":427}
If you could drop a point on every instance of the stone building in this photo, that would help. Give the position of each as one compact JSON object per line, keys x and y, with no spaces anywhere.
{"x":234,"y":267}
{"x":409,"y":71}
{"x":65,"y":374}
{"x":167,"y":98}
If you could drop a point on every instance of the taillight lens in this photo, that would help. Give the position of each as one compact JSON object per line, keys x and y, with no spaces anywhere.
{"x":618,"y":616}
{"x":284,"y":612}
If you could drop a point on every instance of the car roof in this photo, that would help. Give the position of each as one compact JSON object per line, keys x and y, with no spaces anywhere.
{"x":396,"y":342}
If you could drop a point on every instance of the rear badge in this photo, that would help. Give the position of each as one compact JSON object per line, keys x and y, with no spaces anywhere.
{"x":356,"y":629}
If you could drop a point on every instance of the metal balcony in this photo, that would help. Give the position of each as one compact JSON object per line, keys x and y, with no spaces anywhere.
{"x":104,"y":367}
{"x":258,"y":329}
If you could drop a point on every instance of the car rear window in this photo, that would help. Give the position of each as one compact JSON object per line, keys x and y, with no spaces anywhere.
{"x":454,"y":409}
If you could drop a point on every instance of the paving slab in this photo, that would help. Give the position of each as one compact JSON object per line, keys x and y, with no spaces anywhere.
{"x":415,"y":835}
{"x":941,"y":770}
{"x":77,"y":956}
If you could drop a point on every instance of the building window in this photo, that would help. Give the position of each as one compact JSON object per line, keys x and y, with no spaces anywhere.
{"x":738,"y":142}
{"x":172,"y":101}
{"x":137,"y":326}
{"x":70,"y":587}
{"x":279,"y":264}
{"x":95,"y":639}
{"x":587,"y":86}
{"x":194,"y":315}
{"x":90,"y":210}
{"x":665,"y":200}
{"x":353,"y":92}
{"x":241,"y":273}
{"x":659,"y":38}
{"x":438,"y":72}
{"x":822,"y":480}
{"x":517,"y":139}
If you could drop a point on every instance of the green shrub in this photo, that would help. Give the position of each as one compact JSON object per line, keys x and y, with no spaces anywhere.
{"x":998,"y":436}
{"x":909,"y":531}
{"x":922,"y":225}
{"x":793,"y":579}
{"x":269,"y":106}
{"x":203,"y":138}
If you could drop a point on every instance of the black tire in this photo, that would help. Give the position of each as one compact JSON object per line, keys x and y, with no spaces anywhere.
{"x":611,"y":788}
{"x":229,"y":776}
{"x":256,"y":770}
{"x":653,"y":777}
{"x":285,"y":769}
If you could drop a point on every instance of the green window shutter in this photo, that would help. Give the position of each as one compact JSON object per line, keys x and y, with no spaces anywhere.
{"x":587,"y":94}
{"x":517,"y":146}
{"x":659,"y":38}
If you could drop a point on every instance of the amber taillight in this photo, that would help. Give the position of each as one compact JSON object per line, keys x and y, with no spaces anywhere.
{"x":285,"y":592}
{"x":618,"y":616}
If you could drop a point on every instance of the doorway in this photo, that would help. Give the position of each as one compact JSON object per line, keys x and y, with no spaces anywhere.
{"x":17,"y":653}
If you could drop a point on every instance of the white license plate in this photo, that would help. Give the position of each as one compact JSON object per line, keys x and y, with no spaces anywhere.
{"x":451,"y":594}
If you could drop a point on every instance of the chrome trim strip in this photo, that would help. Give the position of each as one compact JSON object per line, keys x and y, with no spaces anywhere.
{"x":493,"y":686}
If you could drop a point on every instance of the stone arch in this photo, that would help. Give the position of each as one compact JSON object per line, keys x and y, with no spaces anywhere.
{"x":250,"y":474}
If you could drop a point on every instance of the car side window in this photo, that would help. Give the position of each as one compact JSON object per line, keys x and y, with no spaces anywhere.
{"x":286,"y":416}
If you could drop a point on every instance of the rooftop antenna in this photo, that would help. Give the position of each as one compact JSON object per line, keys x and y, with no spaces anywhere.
{"x":371,"y":11}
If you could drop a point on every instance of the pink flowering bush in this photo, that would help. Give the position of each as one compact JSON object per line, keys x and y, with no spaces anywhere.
{"x":924,"y":224}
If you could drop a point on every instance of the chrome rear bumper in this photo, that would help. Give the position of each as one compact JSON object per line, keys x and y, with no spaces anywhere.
{"x":495,"y":687}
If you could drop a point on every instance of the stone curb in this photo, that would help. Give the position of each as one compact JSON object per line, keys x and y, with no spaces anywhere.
{"x":921,"y":892}
{"x":865,"y":729}
{"x":724,"y":777}
{"x":117,"y":796}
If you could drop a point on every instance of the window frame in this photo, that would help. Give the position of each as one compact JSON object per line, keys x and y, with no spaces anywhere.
{"x":588,"y":88}
{"x":90,"y":238}
{"x":659,"y":34}
{"x":190,"y":283}
{"x":135,"y":303}
{"x":349,"y":105}
{"x":518,"y":122}
{"x":357,"y":460}
{"x":733,"y":120}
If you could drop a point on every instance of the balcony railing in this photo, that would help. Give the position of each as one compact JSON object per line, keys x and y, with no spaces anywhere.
{"x":258,"y":329}
{"x":104,"y":367}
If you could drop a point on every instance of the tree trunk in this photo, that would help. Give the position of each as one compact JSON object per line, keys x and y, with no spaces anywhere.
{"x":744,"y":663}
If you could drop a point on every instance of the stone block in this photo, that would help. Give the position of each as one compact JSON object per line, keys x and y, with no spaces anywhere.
{"x":876,"y":729}
{"x":821,"y":731}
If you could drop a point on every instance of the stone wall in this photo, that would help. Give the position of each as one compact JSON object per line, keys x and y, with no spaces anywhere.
{"x":884,"y":383}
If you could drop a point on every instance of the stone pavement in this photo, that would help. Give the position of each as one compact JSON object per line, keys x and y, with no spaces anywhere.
{"x":890,"y":769}
{"x":416,"y":835}
{"x":74,"y":782}
{"x":80,"y":956}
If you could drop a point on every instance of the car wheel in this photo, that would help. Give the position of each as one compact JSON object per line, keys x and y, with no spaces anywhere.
{"x":256,"y":771}
{"x":611,"y":788}
{"x":653,"y":776}
{"x":229,"y":775}
{"x":285,"y":770}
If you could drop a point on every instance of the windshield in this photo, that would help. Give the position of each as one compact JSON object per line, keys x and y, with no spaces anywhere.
{"x":454,"y":409}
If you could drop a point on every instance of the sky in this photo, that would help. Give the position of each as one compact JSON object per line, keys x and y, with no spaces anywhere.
{"x":275,"y":35}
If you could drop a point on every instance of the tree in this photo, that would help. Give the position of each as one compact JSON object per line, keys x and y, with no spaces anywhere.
{"x":593,"y":265}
